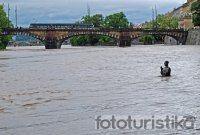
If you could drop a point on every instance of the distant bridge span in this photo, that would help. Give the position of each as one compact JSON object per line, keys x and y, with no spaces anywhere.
{"x":53,"y":38}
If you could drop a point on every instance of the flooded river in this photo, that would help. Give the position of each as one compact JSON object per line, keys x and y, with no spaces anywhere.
{"x":60,"y":92}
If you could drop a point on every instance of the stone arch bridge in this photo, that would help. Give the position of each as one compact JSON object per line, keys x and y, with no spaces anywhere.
{"x":53,"y":38}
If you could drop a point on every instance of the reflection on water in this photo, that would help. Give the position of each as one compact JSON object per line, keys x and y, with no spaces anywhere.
{"x":51,"y":92}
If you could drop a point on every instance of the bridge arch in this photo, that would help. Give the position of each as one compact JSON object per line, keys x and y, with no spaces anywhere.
{"x":41,"y":39}
{"x":64,"y":38}
{"x":174,"y":36}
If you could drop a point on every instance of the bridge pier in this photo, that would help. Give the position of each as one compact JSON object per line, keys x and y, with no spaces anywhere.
{"x":52,"y":44}
{"x":124,"y":41}
{"x":183,"y":39}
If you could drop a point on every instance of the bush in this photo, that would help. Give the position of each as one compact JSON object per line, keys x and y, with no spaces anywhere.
{"x":147,"y":39}
{"x":196,"y":13}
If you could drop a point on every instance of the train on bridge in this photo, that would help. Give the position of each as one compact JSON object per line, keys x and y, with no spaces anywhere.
{"x":60,"y":26}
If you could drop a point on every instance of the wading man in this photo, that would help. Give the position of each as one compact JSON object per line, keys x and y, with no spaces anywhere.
{"x":166,"y":71}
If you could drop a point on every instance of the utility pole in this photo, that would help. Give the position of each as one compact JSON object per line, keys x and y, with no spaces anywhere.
{"x":88,"y":9}
{"x":152,"y":18}
{"x":156,"y":13}
{"x":16,"y":16}
{"x":8,"y":15}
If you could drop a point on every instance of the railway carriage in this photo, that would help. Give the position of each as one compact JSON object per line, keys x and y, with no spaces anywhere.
{"x":60,"y":25}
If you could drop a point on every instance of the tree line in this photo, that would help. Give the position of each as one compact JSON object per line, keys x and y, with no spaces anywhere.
{"x":161,"y":22}
{"x":116,"y":20}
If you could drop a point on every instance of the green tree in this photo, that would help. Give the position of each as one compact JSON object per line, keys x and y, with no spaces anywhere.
{"x":96,"y":20}
{"x":117,"y":20}
{"x":3,"y":24}
{"x":163,"y":22}
{"x":196,"y":13}
{"x":167,"y":22}
{"x":147,"y":39}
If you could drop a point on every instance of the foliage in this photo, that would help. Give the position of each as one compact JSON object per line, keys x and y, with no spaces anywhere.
{"x":117,"y":20}
{"x":3,"y":24}
{"x":78,"y":40}
{"x":96,"y":20}
{"x":147,"y":39}
{"x":196,"y":13}
{"x":4,"y":41}
{"x":3,"y":18}
{"x":163,"y":22}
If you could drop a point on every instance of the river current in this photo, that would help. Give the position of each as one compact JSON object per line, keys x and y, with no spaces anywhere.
{"x":60,"y":92}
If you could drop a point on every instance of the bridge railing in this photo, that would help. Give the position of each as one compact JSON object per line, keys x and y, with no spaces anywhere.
{"x":92,"y":29}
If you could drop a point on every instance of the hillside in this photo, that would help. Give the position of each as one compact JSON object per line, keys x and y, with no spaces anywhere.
{"x":184,"y":14}
{"x":183,"y":10}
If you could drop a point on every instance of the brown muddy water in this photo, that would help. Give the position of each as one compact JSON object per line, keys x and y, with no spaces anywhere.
{"x":59,"y":92}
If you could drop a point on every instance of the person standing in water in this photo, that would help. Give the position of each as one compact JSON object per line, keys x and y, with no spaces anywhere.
{"x":166,"y":71}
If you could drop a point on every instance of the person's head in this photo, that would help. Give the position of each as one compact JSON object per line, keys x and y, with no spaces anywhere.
{"x":166,"y":63}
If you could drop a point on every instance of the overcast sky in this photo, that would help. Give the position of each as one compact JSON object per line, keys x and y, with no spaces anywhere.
{"x":64,"y":11}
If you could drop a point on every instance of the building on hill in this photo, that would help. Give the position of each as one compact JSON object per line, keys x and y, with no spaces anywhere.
{"x":184,"y":14}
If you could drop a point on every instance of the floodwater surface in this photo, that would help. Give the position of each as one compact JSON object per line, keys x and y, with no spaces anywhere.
{"x":60,"y":92}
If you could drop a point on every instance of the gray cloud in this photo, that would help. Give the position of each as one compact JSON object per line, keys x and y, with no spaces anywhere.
{"x":56,"y":11}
